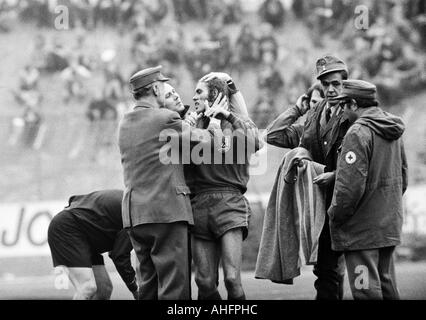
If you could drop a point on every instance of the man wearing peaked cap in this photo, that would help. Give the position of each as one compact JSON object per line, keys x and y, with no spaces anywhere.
{"x":366,"y":210}
{"x":321,"y":134}
{"x":146,"y":77}
{"x":329,"y":64}
{"x":156,"y":206}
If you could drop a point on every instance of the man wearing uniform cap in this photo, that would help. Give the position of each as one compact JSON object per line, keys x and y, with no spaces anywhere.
{"x":321,"y":134}
{"x":156,"y":206}
{"x":366,"y":210}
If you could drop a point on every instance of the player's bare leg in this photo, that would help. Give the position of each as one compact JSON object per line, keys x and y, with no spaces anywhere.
{"x":84,"y":283}
{"x":232,"y":248}
{"x":206,"y":263}
{"x":103,"y":283}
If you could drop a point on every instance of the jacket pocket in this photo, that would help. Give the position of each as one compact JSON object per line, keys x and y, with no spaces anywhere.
{"x":183,"y":190}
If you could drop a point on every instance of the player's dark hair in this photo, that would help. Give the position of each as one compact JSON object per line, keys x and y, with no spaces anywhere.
{"x":216,"y":86}
{"x":315,"y":87}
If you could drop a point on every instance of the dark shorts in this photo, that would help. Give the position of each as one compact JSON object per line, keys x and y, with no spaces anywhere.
{"x":69,"y":245}
{"x":216,"y":212}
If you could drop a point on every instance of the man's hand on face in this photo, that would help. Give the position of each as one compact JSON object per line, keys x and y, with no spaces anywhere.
{"x":302,"y":104}
{"x":325,"y":179}
{"x":192,"y":118}
{"x":219,"y":109}
{"x":212,"y":75}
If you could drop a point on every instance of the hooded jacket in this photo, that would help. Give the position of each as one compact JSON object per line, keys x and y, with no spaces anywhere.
{"x":366,"y":210}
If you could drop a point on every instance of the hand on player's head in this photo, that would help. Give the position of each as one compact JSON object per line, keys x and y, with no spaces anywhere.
{"x":220,"y":75}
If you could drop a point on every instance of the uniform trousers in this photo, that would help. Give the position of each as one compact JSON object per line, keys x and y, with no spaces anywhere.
{"x":371,"y":274}
{"x":329,"y":269}
{"x":163,"y":254}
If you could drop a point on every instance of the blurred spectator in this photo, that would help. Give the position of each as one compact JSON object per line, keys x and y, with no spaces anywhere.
{"x":39,"y":52}
{"x":100,"y":108}
{"x":222,"y":51}
{"x":172,"y":49}
{"x":156,"y":11}
{"x":388,"y":48}
{"x":246,"y":47}
{"x":233,"y":12}
{"x":7,"y":15}
{"x":299,"y":8}
{"x":81,"y":54}
{"x":32,"y":120}
{"x":272,"y":11}
{"x":303,"y":69}
{"x":113,"y":83}
{"x":37,"y":11}
{"x":397,"y":78}
{"x":342,"y":12}
{"x":127,"y":14}
{"x":29,"y":78}
{"x":415,"y":11}
{"x":74,"y":77}
{"x":56,"y":59}
{"x":263,"y":111}
{"x":102,"y":116}
{"x":270,"y":81}
{"x":268,"y":44}
{"x":190,"y":9}
{"x":319,"y":20}
{"x":25,"y":127}
{"x":201,"y":58}
{"x":270,"y":84}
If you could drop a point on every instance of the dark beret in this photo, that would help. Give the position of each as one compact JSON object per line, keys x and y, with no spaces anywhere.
{"x":358,"y":89}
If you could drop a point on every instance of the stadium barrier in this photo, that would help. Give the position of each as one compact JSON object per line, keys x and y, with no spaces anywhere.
{"x":23,"y":226}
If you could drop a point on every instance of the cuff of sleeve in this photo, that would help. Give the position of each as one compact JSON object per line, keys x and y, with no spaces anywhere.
{"x":132,"y":286}
{"x":231,"y":86}
{"x":298,"y":111}
{"x":231,"y":118}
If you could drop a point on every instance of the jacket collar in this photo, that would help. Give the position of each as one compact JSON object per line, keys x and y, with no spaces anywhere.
{"x":336,"y":114}
{"x":145,"y":105}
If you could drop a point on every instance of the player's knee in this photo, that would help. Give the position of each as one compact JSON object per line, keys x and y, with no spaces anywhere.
{"x":232,"y":282}
{"x":206,"y":283}
{"x":105,"y":290}
{"x":88,"y":289}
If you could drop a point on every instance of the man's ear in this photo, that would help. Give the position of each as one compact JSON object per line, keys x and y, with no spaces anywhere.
{"x":354,"y":106}
{"x":214,"y":95}
{"x":156,"y":89}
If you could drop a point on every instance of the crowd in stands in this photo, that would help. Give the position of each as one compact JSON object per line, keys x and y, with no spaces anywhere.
{"x":390,"y":52}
